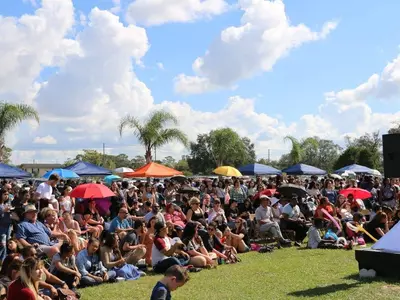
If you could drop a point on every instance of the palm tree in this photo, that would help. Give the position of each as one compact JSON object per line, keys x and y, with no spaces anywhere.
{"x":152,"y":133}
{"x":10,"y":116}
{"x":298,"y":147}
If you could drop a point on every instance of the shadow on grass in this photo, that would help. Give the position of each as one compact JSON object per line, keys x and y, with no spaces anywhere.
{"x":319,"y":291}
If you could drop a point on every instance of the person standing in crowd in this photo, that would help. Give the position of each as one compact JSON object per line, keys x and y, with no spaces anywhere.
{"x":45,"y":190}
{"x":5,"y":223}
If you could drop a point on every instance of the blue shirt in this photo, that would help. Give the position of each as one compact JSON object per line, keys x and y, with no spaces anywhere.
{"x":34,"y":233}
{"x":85,"y":262}
{"x":160,"y":292}
{"x":117,"y":223}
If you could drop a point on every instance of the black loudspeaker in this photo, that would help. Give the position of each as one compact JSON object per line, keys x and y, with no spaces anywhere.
{"x":391,"y":155}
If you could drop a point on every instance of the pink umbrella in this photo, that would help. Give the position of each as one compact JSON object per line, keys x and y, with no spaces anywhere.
{"x":357,"y":193}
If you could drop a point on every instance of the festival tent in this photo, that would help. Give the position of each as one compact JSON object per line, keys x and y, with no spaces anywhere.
{"x":153,"y":169}
{"x":355,"y":168}
{"x":83,"y":168}
{"x":303,"y":169}
{"x":258,"y":169}
{"x":390,"y":242}
{"x":7,"y":171}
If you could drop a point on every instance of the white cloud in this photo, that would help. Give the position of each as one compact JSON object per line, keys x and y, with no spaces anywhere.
{"x":264,"y":36}
{"x":47,"y":140}
{"x":32,"y":42}
{"x":160,"y":66}
{"x":157,"y":12}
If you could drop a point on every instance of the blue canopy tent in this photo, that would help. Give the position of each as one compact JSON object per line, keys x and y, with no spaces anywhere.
{"x":83,"y":168}
{"x":303,"y":169}
{"x":355,"y":168}
{"x":258,"y":169}
{"x":7,"y":171}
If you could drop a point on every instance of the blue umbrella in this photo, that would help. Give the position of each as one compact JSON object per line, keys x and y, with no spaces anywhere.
{"x":355,"y":168}
{"x":258,"y":169}
{"x":303,"y":169}
{"x":63,"y":173}
{"x":110,"y":178}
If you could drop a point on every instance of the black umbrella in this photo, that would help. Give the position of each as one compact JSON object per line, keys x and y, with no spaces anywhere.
{"x":287,"y":190}
{"x":179,"y":178}
{"x":188,"y":189}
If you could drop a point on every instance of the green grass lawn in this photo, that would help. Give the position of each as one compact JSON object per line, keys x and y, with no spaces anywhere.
{"x":285,"y":274}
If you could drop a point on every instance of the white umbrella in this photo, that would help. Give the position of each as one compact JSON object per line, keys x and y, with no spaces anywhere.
{"x":349,"y":174}
{"x":123,"y":170}
{"x":376,"y":173}
{"x":335,"y":176}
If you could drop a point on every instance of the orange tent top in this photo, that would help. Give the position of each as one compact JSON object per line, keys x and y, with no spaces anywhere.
{"x":153,"y":170}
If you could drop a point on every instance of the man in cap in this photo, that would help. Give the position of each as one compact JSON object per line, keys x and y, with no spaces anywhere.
{"x":31,"y":232}
{"x":265,"y":218}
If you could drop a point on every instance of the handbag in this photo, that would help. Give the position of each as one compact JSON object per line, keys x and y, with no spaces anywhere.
{"x":232,"y":258}
{"x":64,"y":294}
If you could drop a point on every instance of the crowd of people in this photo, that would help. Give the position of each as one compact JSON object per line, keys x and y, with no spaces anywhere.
{"x":52,"y":243}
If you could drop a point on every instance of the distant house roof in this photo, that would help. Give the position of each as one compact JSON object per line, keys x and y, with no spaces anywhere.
{"x":41,"y":166}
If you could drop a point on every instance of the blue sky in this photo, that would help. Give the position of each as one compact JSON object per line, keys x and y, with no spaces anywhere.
{"x":364,"y":41}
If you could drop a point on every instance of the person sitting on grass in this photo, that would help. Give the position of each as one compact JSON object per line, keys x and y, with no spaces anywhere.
{"x":199,"y":256}
{"x":164,"y":254}
{"x":174,"y":278}
{"x":132,"y":247}
{"x":120,"y":224}
{"x":377,"y":227}
{"x":315,"y":241}
{"x":266,"y":220}
{"x":90,"y":266}
{"x":64,"y":267}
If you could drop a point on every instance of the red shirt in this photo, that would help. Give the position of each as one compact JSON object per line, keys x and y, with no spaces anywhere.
{"x":318,"y":211}
{"x":18,"y":291}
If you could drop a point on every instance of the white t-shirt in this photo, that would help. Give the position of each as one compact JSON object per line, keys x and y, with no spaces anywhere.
{"x":292,"y":212}
{"x":159,"y":244}
{"x":45,"y":190}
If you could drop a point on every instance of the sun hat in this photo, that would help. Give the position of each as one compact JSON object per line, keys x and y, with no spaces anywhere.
{"x":265,"y":197}
{"x":274,"y":201}
{"x":30,"y":208}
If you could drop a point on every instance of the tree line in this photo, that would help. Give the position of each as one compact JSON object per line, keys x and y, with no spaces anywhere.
{"x":222,"y":146}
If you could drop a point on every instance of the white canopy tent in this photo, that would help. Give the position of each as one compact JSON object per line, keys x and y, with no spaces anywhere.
{"x":390,"y":242}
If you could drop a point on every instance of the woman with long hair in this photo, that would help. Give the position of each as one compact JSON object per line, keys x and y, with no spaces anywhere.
{"x":199,"y":256}
{"x":26,"y":286}
{"x":112,"y":259}
{"x":148,"y":239}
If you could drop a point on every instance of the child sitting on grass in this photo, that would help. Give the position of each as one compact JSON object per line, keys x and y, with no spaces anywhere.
{"x":315,"y":241}
{"x":174,"y":278}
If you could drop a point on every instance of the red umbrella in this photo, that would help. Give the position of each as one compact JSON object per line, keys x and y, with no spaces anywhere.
{"x":91,"y":190}
{"x":357,"y":193}
{"x":267,"y":192}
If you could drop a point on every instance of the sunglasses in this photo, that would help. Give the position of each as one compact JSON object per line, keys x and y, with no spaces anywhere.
{"x":210,"y":229}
